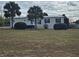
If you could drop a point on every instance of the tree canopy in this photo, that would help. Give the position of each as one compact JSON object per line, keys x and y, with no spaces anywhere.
{"x":35,"y":12}
{"x":45,"y":14}
{"x":11,"y":9}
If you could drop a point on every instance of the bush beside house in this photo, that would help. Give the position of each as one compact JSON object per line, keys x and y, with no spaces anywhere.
{"x":20,"y":25}
{"x":4,"y":22}
{"x":60,"y":26}
{"x":1,"y":21}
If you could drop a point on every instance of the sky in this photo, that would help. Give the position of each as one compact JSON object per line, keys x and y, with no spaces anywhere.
{"x":70,"y":8}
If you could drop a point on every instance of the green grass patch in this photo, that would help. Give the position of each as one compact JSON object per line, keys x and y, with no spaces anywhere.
{"x":39,"y":42}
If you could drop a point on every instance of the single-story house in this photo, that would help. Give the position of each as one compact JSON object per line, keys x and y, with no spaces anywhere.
{"x":47,"y":20}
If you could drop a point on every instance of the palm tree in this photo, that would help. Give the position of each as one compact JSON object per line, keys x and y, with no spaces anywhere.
{"x":35,"y":13}
{"x":11,"y":9}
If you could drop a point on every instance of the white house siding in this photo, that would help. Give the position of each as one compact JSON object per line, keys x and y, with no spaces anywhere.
{"x":52,"y":22}
{"x":24,"y":20}
{"x":39,"y":26}
{"x":62,"y":19}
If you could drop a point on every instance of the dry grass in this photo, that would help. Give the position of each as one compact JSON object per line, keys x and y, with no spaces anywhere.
{"x":39,"y":42}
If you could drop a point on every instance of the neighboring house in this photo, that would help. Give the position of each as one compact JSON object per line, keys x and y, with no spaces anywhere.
{"x":49,"y":21}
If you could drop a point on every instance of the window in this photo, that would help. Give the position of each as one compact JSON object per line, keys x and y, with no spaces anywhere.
{"x":47,"y":20}
{"x":58,"y":20}
{"x":39,"y":22}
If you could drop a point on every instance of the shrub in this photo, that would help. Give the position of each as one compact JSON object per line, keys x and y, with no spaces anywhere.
{"x":30,"y":27}
{"x":4,"y":22}
{"x":20,"y":25}
{"x":60,"y":26}
{"x":7,"y":22}
{"x":1,"y":21}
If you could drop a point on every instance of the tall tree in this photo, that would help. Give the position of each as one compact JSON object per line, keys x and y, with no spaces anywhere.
{"x":35,"y":13}
{"x":66,"y":20}
{"x":11,"y":9}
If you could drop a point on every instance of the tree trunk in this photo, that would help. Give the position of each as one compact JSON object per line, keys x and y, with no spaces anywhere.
{"x":11,"y":22}
{"x":35,"y":23}
{"x":3,"y":21}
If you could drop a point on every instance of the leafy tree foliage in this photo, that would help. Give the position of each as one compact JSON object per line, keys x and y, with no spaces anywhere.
{"x":45,"y":14}
{"x":1,"y":21}
{"x":35,"y":13}
{"x":11,"y":9}
{"x":4,"y":22}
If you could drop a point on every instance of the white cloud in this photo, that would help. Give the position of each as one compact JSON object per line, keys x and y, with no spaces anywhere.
{"x":70,"y":8}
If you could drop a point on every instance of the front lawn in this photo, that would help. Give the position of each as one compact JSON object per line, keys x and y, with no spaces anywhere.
{"x":39,"y":42}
